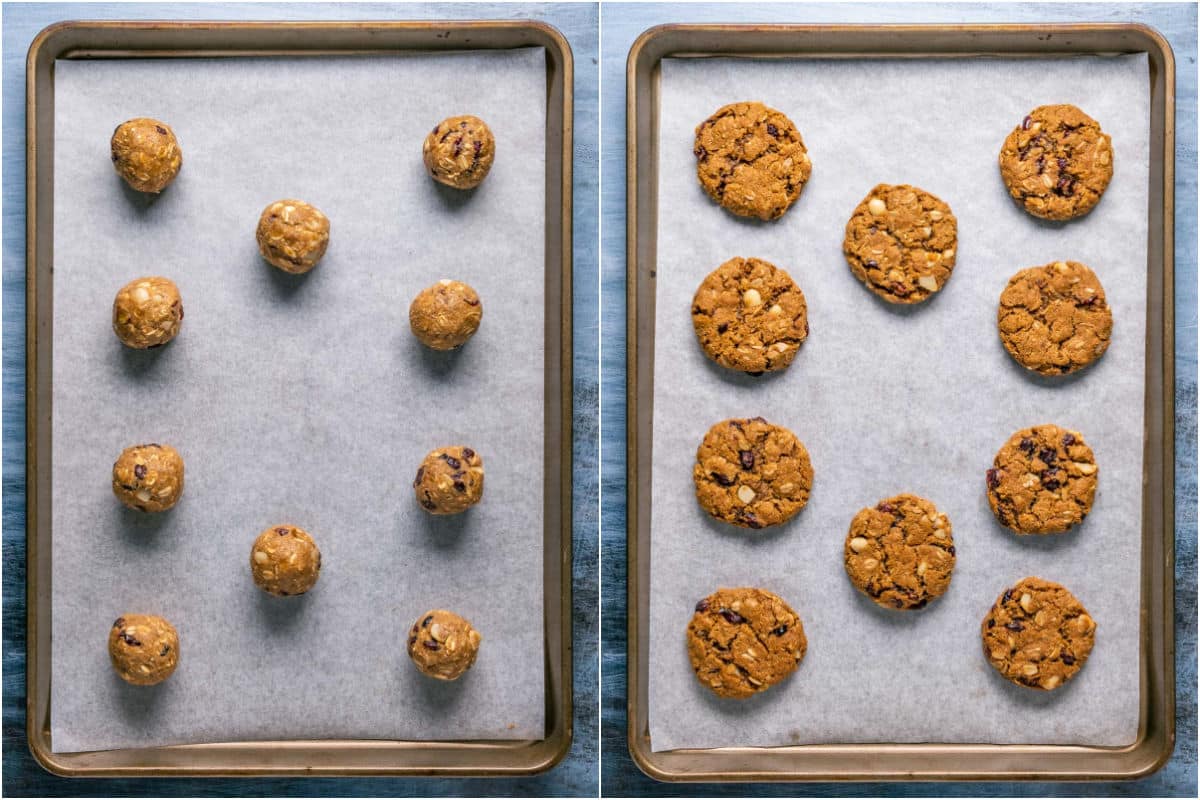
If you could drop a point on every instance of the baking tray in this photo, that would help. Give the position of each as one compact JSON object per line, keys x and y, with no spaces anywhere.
{"x":106,"y":40}
{"x":849,"y":762}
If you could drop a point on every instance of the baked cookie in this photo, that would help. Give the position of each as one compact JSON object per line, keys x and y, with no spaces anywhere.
{"x":445,"y":315}
{"x":743,"y":641}
{"x":449,"y":480}
{"x":751,"y":473}
{"x":145,"y":153}
{"x":459,"y":152}
{"x":1057,"y":162}
{"x":147,"y":313}
{"x":285,"y":560}
{"x":1037,"y":634}
{"x":1043,"y":480}
{"x":442,"y":644}
{"x":751,"y":160}
{"x":901,"y":242}
{"x":749,"y":315}
{"x":148,"y":477}
{"x":144,"y":649}
{"x":292,"y":235}
{"x":901,"y":552}
{"x":1054,"y":319}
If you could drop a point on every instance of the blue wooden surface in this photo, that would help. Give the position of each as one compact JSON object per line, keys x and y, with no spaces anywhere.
{"x":621,"y":25}
{"x":576,"y":776}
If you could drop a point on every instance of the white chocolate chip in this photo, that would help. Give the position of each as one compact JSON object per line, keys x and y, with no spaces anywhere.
{"x":436,"y":631}
{"x":751,"y":298}
{"x":869,"y":563}
{"x":935,"y":215}
{"x":928,"y":283}
{"x":140,"y":295}
{"x":745,"y":494}
{"x":1030,"y":669}
{"x":876,"y":206}
{"x":858,"y":544}
{"x":928,"y":231}
{"x":1050,"y":682}
{"x":1046,"y":181}
{"x":1061,"y":267}
{"x":143,"y":495}
{"x":775,"y":309}
{"x":260,"y":557}
{"x":921,"y":569}
{"x":948,"y":254}
{"x":445,"y":281}
{"x":1085,"y":468}
{"x":1027,"y":602}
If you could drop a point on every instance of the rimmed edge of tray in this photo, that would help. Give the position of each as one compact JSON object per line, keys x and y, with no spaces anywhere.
{"x":908,"y":762}
{"x":357,"y":757}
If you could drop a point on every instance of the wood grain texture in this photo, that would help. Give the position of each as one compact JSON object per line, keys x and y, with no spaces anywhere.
{"x":577,"y":774}
{"x":621,"y":25}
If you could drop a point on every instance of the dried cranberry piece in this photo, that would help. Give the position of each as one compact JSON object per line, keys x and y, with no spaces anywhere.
{"x":721,"y":479}
{"x":166,"y":648}
{"x":139,"y":471}
{"x":161,"y":129}
{"x":993,"y":478}
{"x":722,"y":327}
{"x":459,"y":486}
{"x":732,"y":617}
{"x":1068,"y":659}
{"x":120,"y":623}
{"x":899,"y":289}
{"x":129,"y":640}
{"x":468,"y":452}
{"x":1052,"y":478}
{"x":432,"y":645}
{"x":771,"y":129}
{"x":951,"y":550}
{"x":452,"y":462}
{"x":747,"y":459}
{"x":752,"y":521}
{"x":1062,"y":163}
{"x":780,"y":631}
{"x":871,"y":264}
{"x":1014,"y":626}
{"x":1068,"y":439}
{"x":1088,"y":302}
{"x":1066,"y":186}
{"x":282,"y":531}
{"x":702,"y":605}
{"x":991,"y":622}
{"x":1047,"y":456}
{"x":885,"y":507}
{"x":1007,"y":595}
{"x":1025,"y":123}
{"x":1041,"y":164}
{"x":1027,"y":446}
{"x":425,"y":622}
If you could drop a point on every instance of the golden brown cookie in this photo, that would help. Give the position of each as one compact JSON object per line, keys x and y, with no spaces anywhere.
{"x":144,"y":649}
{"x":449,"y":480}
{"x":459,"y":151}
{"x":743,"y":641}
{"x":292,"y":235}
{"x":1055,"y":319}
{"x":751,"y":160}
{"x":148,"y":477}
{"x":146,"y":154}
{"x":442,"y":644}
{"x":900,"y":553}
{"x":749,"y":315}
{"x":445,"y":315}
{"x":1037,"y":634}
{"x":751,"y":473}
{"x":901,"y":243}
{"x":1043,"y":480}
{"x":1057,"y":162}
{"x":285,"y":561}
{"x":147,"y":312}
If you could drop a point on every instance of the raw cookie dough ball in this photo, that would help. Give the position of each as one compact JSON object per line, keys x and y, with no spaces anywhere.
{"x":445,"y":315}
{"x":285,"y":561}
{"x":1057,"y":162}
{"x":146,"y":154}
{"x":148,"y":477}
{"x":1054,"y":319}
{"x":449,"y":480}
{"x":147,"y":313}
{"x":459,"y":151}
{"x":751,"y":160}
{"x":144,"y":648}
{"x":750,"y":315}
{"x":292,"y":235}
{"x":744,"y":641}
{"x":900,"y":553}
{"x":1043,"y":480}
{"x":901,"y":243}
{"x":442,"y":644}
{"x":1037,"y":634}
{"x":751,"y":473}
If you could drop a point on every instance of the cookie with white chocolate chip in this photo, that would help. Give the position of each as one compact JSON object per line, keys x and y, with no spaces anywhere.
{"x":143,"y":648}
{"x":146,"y":154}
{"x":285,"y":561}
{"x":750,"y":315}
{"x":443,"y":645}
{"x":449,"y":480}
{"x":751,"y":473}
{"x":744,"y":641}
{"x":292,"y":235}
{"x":901,"y":243}
{"x":459,"y":151}
{"x":446,"y":315}
{"x":148,"y":477}
{"x":1038,"y":635}
{"x":1057,"y":162}
{"x":900,"y":552}
{"x":147,"y":312}
{"x":1043,"y":480}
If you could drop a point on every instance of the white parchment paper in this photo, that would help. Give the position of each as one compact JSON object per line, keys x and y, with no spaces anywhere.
{"x":299,"y":399}
{"x":890,"y":400}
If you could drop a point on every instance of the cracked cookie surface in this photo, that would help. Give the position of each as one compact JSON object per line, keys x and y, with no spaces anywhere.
{"x":1057,"y":162}
{"x":751,"y":473}
{"x":901,"y":243}
{"x":143,"y":648}
{"x":1038,"y":634}
{"x":751,"y":160}
{"x":750,"y":315}
{"x":146,"y":154}
{"x":900,"y":553}
{"x":744,"y":641}
{"x":442,"y":644}
{"x":459,"y":151}
{"x":147,"y":312}
{"x":148,"y":477}
{"x":1055,"y":319}
{"x":292,"y":235}
{"x":444,"y":316}
{"x":285,"y":561}
{"x":449,"y":480}
{"x":1043,"y":480}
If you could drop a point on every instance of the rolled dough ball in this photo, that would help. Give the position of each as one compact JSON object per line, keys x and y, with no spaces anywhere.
{"x":292,"y":235}
{"x":449,"y":480}
{"x":442,"y":644}
{"x":148,"y":477}
{"x":459,"y":151}
{"x":146,"y":154}
{"x":445,"y":315}
{"x":147,"y":312}
{"x":144,"y":648}
{"x":285,"y":561}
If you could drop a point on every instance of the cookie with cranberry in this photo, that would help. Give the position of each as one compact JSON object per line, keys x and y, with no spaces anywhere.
{"x":1043,"y":480}
{"x":1055,"y":319}
{"x":1038,"y":635}
{"x":1057,"y":162}
{"x":900,"y":552}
